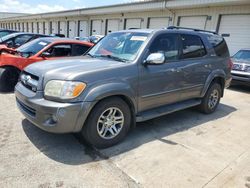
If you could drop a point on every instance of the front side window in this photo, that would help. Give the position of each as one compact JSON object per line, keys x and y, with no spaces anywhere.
{"x":192,"y":47}
{"x":122,"y":46}
{"x":60,"y":50}
{"x":167,"y":44}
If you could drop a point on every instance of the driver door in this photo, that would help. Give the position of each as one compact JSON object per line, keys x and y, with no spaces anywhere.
{"x":159,"y":84}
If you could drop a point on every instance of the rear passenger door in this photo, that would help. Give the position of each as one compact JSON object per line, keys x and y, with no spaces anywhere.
{"x":195,"y":66}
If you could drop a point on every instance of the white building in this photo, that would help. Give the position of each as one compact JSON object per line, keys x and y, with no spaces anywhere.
{"x":230,"y":18}
{"x":10,"y":14}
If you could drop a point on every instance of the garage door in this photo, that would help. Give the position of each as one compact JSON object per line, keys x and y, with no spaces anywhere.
{"x":63,"y":27}
{"x":197,"y":22}
{"x":35,"y":27}
{"x":25,"y":27}
{"x":83,"y":28}
{"x":133,"y":23}
{"x":158,"y":23}
{"x":21,"y":26}
{"x":113,"y":25}
{"x":30,"y":27}
{"x":46,"y":28}
{"x":236,"y":31}
{"x":15,"y":26}
{"x":96,"y":27}
{"x":54,"y":27}
{"x":72,"y":29}
{"x":40,"y":28}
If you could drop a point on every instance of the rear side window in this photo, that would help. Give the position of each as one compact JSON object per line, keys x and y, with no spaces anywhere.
{"x":192,"y":47}
{"x":219,"y":45}
{"x":78,"y":49}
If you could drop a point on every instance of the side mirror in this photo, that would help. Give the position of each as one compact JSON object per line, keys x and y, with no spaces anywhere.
{"x":45,"y":54}
{"x":155,"y":59}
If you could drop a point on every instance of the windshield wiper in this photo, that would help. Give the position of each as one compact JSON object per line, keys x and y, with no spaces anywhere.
{"x":113,"y":57}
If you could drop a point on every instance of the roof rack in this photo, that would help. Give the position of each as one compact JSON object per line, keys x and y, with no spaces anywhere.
{"x":192,"y":29}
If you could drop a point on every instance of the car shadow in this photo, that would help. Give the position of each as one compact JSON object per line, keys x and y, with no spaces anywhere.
{"x":69,"y":149}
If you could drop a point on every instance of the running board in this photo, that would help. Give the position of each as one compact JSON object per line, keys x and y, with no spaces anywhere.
{"x":157,"y":112}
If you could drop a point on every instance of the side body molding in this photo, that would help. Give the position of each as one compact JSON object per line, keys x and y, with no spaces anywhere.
{"x":110,"y":89}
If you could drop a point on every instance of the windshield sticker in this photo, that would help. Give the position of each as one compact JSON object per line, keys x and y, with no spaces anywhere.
{"x":42,"y":43}
{"x":139,"y":38}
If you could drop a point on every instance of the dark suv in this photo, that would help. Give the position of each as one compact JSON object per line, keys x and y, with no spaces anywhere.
{"x":129,"y":76}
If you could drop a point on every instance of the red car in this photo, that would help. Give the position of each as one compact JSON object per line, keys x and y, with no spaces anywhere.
{"x":13,"y":61}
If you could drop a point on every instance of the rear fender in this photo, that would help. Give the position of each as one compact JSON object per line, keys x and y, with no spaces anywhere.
{"x":215,"y":74}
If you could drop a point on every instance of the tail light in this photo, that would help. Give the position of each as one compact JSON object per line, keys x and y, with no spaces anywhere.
{"x":230,"y":64}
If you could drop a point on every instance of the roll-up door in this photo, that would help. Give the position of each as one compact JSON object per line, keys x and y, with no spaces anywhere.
{"x":133,"y":23}
{"x":236,"y":31}
{"x":158,"y":23}
{"x":113,"y":25}
{"x":197,"y":22}
{"x":97,"y":27}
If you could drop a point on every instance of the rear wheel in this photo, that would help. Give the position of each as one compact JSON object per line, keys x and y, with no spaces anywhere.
{"x":8,"y":79}
{"x":108,"y":123}
{"x":211,"y":99}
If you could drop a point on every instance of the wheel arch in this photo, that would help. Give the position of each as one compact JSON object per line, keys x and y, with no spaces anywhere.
{"x":217,"y":76}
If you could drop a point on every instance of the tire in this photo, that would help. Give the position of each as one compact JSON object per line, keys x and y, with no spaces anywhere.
{"x":8,"y":79}
{"x":97,"y":130}
{"x":211,"y":99}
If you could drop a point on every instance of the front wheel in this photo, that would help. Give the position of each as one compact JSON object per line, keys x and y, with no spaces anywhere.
{"x":211,"y":99}
{"x":108,"y":123}
{"x":8,"y":79}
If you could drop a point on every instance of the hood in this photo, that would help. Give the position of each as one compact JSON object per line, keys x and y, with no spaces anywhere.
{"x":68,"y":68}
{"x":243,"y":61}
{"x":13,"y":60}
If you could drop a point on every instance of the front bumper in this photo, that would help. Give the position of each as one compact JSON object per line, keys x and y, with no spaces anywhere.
{"x":51,"y":116}
{"x":241,"y":77}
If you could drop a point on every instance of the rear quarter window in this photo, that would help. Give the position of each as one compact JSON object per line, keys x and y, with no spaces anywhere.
{"x":219,"y":45}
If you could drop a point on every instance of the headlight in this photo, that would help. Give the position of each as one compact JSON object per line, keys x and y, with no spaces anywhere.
{"x":247,"y":68}
{"x":64,"y":89}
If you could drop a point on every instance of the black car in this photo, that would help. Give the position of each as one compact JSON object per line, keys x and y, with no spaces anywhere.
{"x":241,"y":67}
{"x":17,"y":39}
{"x":4,"y":32}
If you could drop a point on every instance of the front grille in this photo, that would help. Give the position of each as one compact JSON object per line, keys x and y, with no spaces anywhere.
{"x":29,"y":81}
{"x":241,"y":67}
{"x":30,"y":111}
{"x":238,"y":67}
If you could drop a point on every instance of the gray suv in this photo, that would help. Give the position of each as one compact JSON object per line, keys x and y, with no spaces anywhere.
{"x":129,"y":76}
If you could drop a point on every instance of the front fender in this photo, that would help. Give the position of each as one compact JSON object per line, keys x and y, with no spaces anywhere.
{"x":216,"y":73}
{"x":111,"y":89}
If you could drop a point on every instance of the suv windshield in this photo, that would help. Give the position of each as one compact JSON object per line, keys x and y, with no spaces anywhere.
{"x":242,"y":54}
{"x":121,"y":46}
{"x":33,"y":47}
